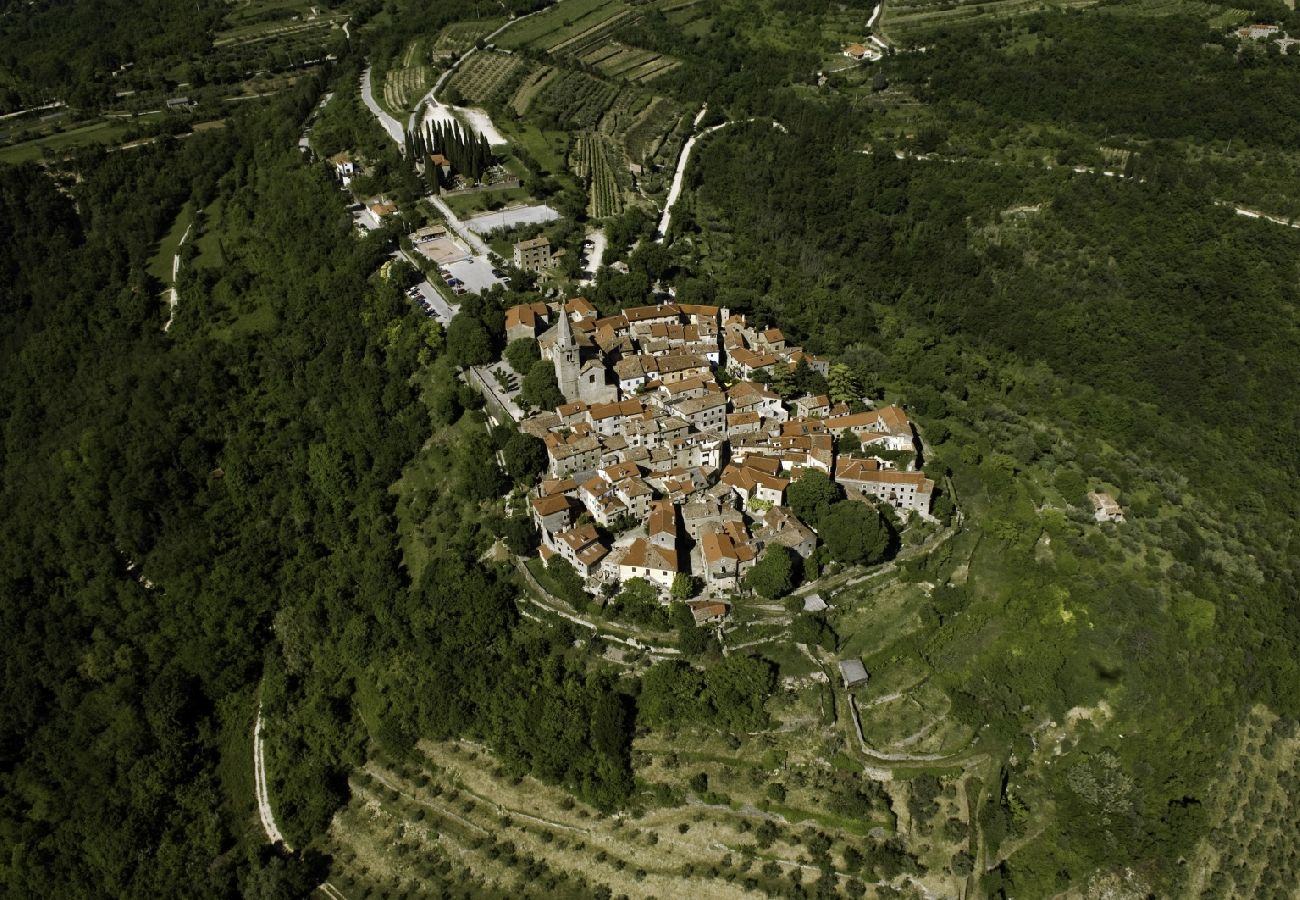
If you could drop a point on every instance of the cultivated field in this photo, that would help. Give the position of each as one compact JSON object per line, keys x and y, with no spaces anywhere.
{"x":910,"y":22}
{"x":1253,"y":842}
{"x":485,"y":76}
{"x":406,"y":83}
{"x":593,"y":162}
{"x":458,"y":37}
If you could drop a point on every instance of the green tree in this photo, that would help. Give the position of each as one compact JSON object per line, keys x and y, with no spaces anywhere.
{"x":843,"y":384}
{"x":521,"y":354}
{"x":855,"y":533}
{"x":812,"y":494}
{"x":525,"y":456}
{"x":684,"y":586}
{"x":468,"y":342}
{"x":849,"y":443}
{"x":774,"y":574}
{"x":540,"y":389}
{"x":672,"y":692}
{"x":737,"y":688}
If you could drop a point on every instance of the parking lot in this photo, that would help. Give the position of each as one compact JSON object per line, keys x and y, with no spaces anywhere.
{"x":475,"y":274}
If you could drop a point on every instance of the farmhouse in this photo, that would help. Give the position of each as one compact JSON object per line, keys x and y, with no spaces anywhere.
{"x":533,"y":255}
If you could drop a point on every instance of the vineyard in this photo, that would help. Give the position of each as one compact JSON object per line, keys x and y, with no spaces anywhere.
{"x":455,"y":39}
{"x":405,"y":85}
{"x":485,"y":76}
{"x":591,"y":163}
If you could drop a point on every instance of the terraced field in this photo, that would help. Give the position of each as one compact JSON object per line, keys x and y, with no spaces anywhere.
{"x":624,"y":111}
{"x":617,"y":60}
{"x":560,"y":22}
{"x":408,"y":82}
{"x":522,"y":99}
{"x":910,"y":22}
{"x":456,"y":38}
{"x":576,"y":99}
{"x":1216,"y":15}
{"x":645,"y":136}
{"x":484,"y":76}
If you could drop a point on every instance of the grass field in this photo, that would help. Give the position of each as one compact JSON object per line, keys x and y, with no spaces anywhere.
{"x":208,"y":242}
{"x":105,"y":131}
{"x":160,"y":266}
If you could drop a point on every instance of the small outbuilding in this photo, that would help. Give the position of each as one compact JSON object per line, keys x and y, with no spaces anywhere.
{"x":853,"y":672}
{"x":814,"y":603}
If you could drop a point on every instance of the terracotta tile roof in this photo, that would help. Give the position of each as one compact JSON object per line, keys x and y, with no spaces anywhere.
{"x":580,"y":307}
{"x":644,"y":555}
{"x":552,"y":486}
{"x":887,"y":419}
{"x":643,"y":313}
{"x":701,"y":310}
{"x":527,"y":314}
{"x":550,"y":505}
{"x":621,"y":471}
{"x":663,"y":519}
{"x":578,"y":538}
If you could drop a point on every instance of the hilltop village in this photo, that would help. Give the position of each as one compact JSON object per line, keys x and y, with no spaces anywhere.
{"x":673,"y":453}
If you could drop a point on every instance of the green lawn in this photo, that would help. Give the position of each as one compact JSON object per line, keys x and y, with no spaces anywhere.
{"x":208,"y":243}
{"x":471,"y":204}
{"x":160,"y":266}
{"x":547,"y":147}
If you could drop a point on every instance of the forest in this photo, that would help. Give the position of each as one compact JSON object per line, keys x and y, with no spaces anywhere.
{"x":1138,"y":316}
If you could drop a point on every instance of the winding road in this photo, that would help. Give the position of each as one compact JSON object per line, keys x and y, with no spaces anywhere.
{"x":676,"y":189}
{"x":391,"y":125}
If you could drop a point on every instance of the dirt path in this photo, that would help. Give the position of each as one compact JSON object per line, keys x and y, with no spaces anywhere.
{"x":174,"y":298}
{"x":264,"y":811}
